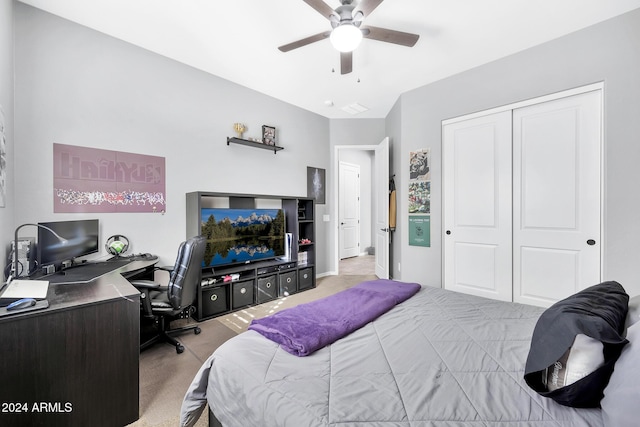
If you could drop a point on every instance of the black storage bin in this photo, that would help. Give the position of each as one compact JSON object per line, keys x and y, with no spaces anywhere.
{"x":267,"y":289}
{"x":242,"y":293}
{"x":287,"y":283}
{"x":305,"y":278}
{"x":214,"y":300}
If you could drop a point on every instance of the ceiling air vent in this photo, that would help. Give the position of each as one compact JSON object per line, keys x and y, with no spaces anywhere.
{"x":354,"y":108}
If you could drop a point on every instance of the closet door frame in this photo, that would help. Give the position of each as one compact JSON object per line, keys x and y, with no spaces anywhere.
{"x":530,"y":102}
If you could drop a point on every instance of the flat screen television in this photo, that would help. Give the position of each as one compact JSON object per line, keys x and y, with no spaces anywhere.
{"x":240,"y":236}
{"x":80,"y":238}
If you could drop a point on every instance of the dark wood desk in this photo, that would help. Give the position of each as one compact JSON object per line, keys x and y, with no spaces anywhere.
{"x":75,"y":363}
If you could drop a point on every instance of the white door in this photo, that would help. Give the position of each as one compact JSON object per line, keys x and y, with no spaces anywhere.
{"x":557,"y":188}
{"x":349,"y":210}
{"x":381,"y":214}
{"x":477,"y":203}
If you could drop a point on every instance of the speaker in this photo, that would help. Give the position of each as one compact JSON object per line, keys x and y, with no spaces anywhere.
{"x":26,"y":255}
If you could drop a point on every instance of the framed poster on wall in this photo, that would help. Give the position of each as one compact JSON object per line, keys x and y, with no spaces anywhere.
{"x":316,"y":184}
{"x":94,"y":180}
{"x":420,"y":230}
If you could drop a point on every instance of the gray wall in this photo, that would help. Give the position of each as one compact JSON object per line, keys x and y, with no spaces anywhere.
{"x":608,"y":52}
{"x":80,"y":87}
{"x":6,"y":104}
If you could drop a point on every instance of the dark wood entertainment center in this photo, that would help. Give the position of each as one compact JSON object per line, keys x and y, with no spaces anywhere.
{"x":261,"y":281}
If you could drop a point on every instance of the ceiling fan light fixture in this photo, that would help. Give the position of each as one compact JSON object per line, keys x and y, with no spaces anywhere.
{"x":346,"y":37}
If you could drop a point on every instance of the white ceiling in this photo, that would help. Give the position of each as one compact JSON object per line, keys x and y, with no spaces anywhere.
{"x":238,"y":39}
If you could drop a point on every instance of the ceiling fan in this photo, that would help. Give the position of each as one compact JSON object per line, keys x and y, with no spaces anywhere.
{"x":347,"y":30}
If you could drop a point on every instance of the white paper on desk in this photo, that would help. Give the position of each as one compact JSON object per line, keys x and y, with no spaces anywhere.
{"x":26,"y":289}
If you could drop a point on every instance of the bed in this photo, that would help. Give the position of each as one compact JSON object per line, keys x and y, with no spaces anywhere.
{"x":439,"y":358}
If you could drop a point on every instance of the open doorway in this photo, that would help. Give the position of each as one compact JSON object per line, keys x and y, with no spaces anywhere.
{"x":358,"y":266}
{"x":373,"y":192}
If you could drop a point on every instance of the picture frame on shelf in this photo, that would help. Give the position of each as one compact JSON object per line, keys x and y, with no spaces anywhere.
{"x":268,"y":135}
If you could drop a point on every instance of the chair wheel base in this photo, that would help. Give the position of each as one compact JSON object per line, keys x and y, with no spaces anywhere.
{"x":164,"y":333}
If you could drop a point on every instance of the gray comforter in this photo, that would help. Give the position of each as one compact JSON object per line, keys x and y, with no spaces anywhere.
{"x":439,"y":359}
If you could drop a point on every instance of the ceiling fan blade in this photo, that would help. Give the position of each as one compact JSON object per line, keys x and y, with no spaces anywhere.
{"x":321,"y":7}
{"x":346,"y":62}
{"x":303,"y":42}
{"x":368,"y":6}
{"x":389,"y":36}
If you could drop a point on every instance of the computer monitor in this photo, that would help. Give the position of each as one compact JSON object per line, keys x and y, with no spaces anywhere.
{"x":80,"y":238}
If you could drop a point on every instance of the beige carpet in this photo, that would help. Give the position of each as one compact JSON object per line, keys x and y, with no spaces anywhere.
{"x":165,"y":375}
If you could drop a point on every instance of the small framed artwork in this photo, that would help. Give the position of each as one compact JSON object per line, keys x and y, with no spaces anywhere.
{"x":268,"y":135}
{"x":316,"y":184}
{"x":420,"y":230}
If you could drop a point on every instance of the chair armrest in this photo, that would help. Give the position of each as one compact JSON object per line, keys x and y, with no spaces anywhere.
{"x":146,"y":287}
{"x":146,"y":284}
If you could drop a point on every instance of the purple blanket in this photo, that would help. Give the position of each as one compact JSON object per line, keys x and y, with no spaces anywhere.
{"x":305,"y":328}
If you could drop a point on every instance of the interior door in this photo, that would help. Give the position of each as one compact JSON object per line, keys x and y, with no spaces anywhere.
{"x":478,"y":206}
{"x":557,"y":186}
{"x":349,"y":210}
{"x":381,"y":215}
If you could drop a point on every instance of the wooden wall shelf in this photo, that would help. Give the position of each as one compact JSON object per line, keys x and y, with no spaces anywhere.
{"x":248,"y":143}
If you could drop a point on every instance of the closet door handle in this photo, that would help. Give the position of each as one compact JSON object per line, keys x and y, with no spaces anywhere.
{"x":591,"y":242}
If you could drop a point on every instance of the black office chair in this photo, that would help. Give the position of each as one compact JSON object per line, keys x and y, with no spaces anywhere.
{"x":163,"y":304}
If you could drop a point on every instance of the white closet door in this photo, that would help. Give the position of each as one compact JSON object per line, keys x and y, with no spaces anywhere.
{"x":556,"y":221}
{"x":477,"y":202}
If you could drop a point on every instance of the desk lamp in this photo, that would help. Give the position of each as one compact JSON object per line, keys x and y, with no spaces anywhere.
{"x":14,"y":268}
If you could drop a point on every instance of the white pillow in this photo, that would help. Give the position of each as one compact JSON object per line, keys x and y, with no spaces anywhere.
{"x":583,"y":357}
{"x":633,"y":314}
{"x":622,"y":394}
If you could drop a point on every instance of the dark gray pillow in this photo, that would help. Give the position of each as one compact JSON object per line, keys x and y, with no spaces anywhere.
{"x":599,"y":312}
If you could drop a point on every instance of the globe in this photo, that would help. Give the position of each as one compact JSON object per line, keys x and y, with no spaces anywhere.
{"x":117,"y":246}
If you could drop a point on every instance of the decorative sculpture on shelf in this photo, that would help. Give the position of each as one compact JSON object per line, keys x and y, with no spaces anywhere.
{"x":239,"y":128}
